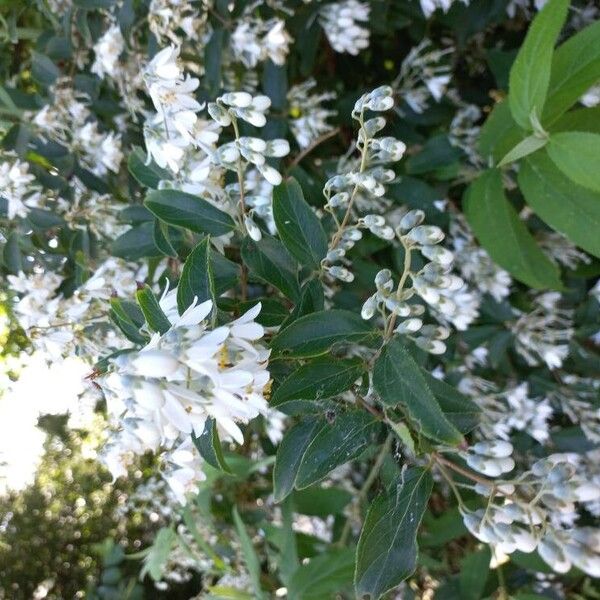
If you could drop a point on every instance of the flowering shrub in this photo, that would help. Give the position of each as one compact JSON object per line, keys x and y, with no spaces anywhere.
{"x":330,"y":268}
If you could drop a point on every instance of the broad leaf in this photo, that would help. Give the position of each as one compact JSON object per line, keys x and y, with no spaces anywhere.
{"x":289,"y":455}
{"x":503,"y":234}
{"x":530,"y":73}
{"x":196,"y":279}
{"x":322,"y":576}
{"x":316,"y":333}
{"x":387,"y":549}
{"x":525,"y":147}
{"x":209,"y":446}
{"x":162,"y":238}
{"x":350,"y":434}
{"x":155,"y":317}
{"x":147,"y":174}
{"x":398,"y":381}
{"x":575,"y":68}
{"x":188,"y":211}
{"x":129,"y":319}
{"x":463,"y":413}
{"x":269,"y":261}
{"x":137,"y":242}
{"x":311,"y":300}
{"x":298,"y":226}
{"x":474,"y":573}
{"x":499,"y":133}
{"x":321,"y":378}
{"x":577,"y":155}
{"x":568,"y":208}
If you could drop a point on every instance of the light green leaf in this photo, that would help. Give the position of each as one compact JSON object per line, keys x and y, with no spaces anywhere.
{"x":387,"y":549}
{"x":188,"y":211}
{"x":209,"y":446}
{"x":298,"y":226}
{"x":568,"y":208}
{"x":156,"y":556}
{"x":525,"y":147}
{"x":316,"y":333}
{"x":530,"y":73}
{"x":196,"y":279}
{"x":269,"y":261}
{"x":398,"y":381}
{"x":322,"y":576}
{"x":318,"y":379}
{"x":153,"y":313}
{"x":577,"y":155}
{"x":575,"y":68}
{"x":503,"y":234}
{"x":250,"y":556}
{"x":499,"y":133}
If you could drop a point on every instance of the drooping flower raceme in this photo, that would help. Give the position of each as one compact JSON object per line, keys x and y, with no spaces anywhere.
{"x":340,"y":21}
{"x":165,"y":392}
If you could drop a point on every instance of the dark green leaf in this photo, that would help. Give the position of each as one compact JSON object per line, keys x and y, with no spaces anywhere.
{"x":153,"y":313}
{"x":503,"y":234}
{"x":322,"y":576}
{"x":530,"y":73}
{"x":270,"y":261}
{"x":209,"y":446}
{"x":335,"y":444}
{"x":474,"y":572}
{"x":568,"y":208}
{"x":289,"y":455}
{"x":162,"y":238}
{"x":188,"y":211}
{"x":398,"y":381}
{"x":136,"y":243}
{"x":387,"y":549}
{"x":148,"y":175}
{"x":318,"y":379}
{"x":196,"y":280}
{"x":298,"y":226}
{"x":316,"y":333}
{"x":437,"y":153}
{"x":311,"y":300}
{"x":129,"y":318}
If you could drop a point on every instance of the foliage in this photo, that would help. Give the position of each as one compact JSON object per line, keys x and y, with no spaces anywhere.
{"x":331,"y":267}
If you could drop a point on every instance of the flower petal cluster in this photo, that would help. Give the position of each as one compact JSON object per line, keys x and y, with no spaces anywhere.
{"x":340,"y":21}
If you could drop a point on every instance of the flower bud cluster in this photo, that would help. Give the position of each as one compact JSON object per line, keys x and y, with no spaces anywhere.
{"x":530,"y":508}
{"x":341,"y":190}
{"x":168,"y":390}
{"x":340,"y":23}
{"x":244,"y":151}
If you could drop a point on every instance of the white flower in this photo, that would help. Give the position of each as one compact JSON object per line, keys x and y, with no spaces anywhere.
{"x":107,"y":50}
{"x":340,"y":23}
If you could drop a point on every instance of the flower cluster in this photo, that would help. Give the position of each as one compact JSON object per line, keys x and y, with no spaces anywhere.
{"x":18,"y":187}
{"x":340,"y":23}
{"x":168,"y":390}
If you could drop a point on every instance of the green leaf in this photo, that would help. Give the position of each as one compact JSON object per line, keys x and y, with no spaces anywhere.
{"x":530,"y":73}
{"x":503,"y":234}
{"x":322,"y":576}
{"x":350,"y":434}
{"x":92,"y":4}
{"x":311,"y":300}
{"x":225,"y":272}
{"x":568,"y":208}
{"x":575,"y":68}
{"x":398,"y":381}
{"x":387,"y":549}
{"x":148,"y":175}
{"x":316,"y":333}
{"x":577,"y":155}
{"x":161,"y":238}
{"x":196,"y":278}
{"x":136,"y":243}
{"x":318,"y":379}
{"x":499,"y":133}
{"x":474,"y":573}
{"x":188,"y":211}
{"x":298,"y":226}
{"x":157,"y":555}
{"x":290,"y":453}
{"x":269,"y":261}
{"x":153,"y":313}
{"x":209,"y":446}
{"x":463,"y":413}
{"x":250,"y":556}
{"x":525,"y":147}
{"x":437,"y":153}
{"x":580,"y":119}
{"x":321,"y":501}
{"x":129,"y":318}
